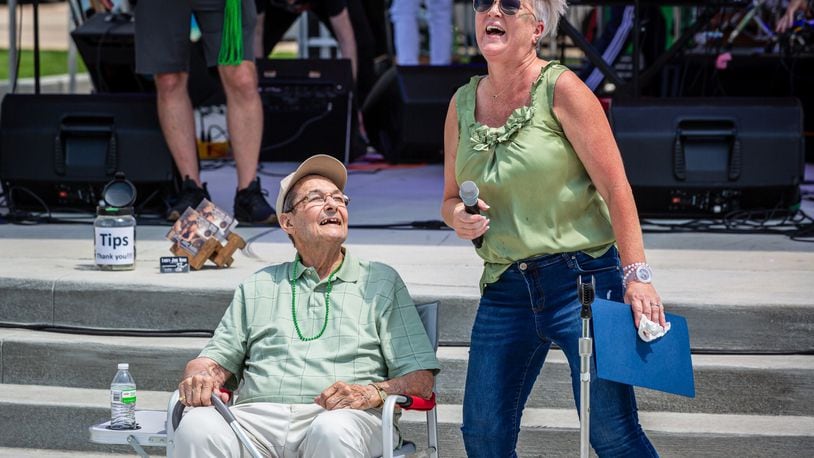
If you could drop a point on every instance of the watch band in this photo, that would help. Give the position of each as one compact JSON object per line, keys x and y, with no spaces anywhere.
{"x":630,"y":270}
{"x":382,"y":394}
{"x":626,"y":277}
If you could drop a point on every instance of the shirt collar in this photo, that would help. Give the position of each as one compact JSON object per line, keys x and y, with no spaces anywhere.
{"x":349,"y":272}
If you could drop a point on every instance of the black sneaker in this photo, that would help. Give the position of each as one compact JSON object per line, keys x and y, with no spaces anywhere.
{"x":190,"y":196}
{"x":251,"y":206}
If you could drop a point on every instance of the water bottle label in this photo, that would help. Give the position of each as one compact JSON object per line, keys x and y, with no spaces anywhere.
{"x":125,"y":397}
{"x":115,"y":245}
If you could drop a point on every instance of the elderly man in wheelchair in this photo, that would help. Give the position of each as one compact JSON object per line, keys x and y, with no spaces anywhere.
{"x":316,"y":344}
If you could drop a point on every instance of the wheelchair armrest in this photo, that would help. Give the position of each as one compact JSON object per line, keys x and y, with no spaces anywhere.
{"x":177,"y":413}
{"x":407,"y":402}
{"x":177,"y":408}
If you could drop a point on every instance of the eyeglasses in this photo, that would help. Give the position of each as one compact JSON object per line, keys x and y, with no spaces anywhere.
{"x":317,"y":198}
{"x":507,"y":7}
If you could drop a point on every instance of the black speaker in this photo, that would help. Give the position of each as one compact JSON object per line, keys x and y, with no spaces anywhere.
{"x":708,"y":156}
{"x":405,"y":111}
{"x":781,"y":75}
{"x":106,"y":44}
{"x":58,"y":151}
{"x":306,"y":108}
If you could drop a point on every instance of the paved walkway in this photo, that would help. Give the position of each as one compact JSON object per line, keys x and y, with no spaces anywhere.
{"x":55,"y":23}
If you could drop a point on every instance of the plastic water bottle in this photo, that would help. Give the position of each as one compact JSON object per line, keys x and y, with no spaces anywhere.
{"x":123,"y":399}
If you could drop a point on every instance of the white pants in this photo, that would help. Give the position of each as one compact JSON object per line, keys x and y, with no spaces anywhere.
{"x":282,"y":430}
{"x":404,"y":14}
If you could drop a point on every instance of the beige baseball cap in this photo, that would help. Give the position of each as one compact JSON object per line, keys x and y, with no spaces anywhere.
{"x":320,"y":164}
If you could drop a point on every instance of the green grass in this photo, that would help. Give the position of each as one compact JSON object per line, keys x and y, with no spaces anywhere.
{"x":283,"y":55}
{"x":51,"y":63}
{"x":56,"y":63}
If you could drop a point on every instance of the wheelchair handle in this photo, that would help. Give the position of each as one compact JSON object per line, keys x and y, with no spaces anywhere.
{"x":178,"y":411}
{"x":221,"y":408}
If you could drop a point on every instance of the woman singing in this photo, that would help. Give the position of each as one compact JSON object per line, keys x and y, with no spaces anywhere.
{"x":555,"y":205}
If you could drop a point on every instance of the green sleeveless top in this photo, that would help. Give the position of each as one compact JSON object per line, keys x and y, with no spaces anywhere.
{"x":542,"y":200}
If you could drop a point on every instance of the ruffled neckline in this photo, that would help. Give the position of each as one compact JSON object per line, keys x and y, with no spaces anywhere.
{"x":484,"y":138}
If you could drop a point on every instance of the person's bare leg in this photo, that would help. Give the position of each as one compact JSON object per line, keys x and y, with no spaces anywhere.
{"x":244,"y":118}
{"x":177,"y":122}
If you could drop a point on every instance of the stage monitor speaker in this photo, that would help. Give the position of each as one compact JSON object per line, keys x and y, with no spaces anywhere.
{"x":106,"y":44}
{"x":699,"y":157}
{"x":58,"y":151}
{"x":307,"y":105}
{"x":405,"y":111}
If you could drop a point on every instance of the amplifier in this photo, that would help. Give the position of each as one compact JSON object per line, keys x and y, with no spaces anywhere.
{"x":406,"y":109}
{"x":698,"y":157}
{"x":58,"y":151}
{"x":307,"y":106}
{"x":107,"y":46}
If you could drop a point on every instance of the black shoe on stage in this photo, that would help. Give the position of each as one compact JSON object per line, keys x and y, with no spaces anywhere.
{"x":190,"y":196}
{"x":251,"y":206}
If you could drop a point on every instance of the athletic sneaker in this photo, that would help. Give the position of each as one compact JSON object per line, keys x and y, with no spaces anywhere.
{"x":190,"y":196}
{"x":251,"y":206}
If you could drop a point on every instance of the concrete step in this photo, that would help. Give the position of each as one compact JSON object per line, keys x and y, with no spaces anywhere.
{"x":768,"y":385}
{"x":50,"y":417}
{"x":715,"y":290}
{"x":58,"y":417}
{"x":555,"y":433}
{"x":739,"y":384}
{"x":8,"y":452}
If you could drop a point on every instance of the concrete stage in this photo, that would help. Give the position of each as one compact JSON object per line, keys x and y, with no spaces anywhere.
{"x":747,"y":298}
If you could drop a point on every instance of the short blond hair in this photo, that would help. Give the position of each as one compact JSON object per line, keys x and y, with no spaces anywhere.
{"x":549,"y":11}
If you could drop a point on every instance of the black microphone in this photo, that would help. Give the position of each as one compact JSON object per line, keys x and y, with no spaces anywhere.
{"x":586,"y":292}
{"x":469,"y":194}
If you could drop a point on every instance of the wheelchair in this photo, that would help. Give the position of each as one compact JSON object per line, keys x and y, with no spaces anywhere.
{"x":157,"y":427}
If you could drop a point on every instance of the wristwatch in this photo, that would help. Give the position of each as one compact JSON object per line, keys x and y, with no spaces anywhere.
{"x":639,"y":272}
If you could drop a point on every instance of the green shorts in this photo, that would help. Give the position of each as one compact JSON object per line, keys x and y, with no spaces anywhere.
{"x":162,"y":33}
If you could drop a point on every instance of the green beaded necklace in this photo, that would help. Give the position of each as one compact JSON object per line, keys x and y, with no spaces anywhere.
{"x":293,"y":283}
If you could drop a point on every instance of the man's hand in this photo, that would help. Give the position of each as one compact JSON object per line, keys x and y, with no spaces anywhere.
{"x":201,"y":378}
{"x":341,"y":395}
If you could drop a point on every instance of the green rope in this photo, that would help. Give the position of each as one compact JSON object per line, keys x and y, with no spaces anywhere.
{"x":231,"y":43}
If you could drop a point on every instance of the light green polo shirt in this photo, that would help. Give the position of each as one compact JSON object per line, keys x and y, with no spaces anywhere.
{"x":373,"y":334}
{"x":541,"y":197}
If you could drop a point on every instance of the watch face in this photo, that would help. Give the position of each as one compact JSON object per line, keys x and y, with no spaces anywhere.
{"x":644,"y":274}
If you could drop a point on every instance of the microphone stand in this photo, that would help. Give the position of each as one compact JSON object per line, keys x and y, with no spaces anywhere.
{"x":586,"y":298}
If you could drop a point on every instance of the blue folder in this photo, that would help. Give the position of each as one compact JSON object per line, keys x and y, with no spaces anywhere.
{"x":621,"y":356}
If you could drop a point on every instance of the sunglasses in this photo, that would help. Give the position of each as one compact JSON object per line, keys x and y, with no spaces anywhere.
{"x":507,"y":7}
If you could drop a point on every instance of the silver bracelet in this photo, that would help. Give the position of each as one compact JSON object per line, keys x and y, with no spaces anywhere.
{"x":633,"y":266}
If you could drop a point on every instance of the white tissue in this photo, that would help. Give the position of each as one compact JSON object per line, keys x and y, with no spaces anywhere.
{"x":649,"y":330}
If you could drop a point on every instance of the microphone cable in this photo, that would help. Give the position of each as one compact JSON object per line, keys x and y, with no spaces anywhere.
{"x":301,"y":130}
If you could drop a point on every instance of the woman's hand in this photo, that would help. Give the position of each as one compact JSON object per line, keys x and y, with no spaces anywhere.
{"x":468,"y":226}
{"x":644,"y":300}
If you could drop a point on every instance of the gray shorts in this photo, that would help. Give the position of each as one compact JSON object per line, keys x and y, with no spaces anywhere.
{"x":162,"y":33}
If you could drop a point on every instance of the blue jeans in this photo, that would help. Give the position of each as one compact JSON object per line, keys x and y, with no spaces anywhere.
{"x":533,"y":304}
